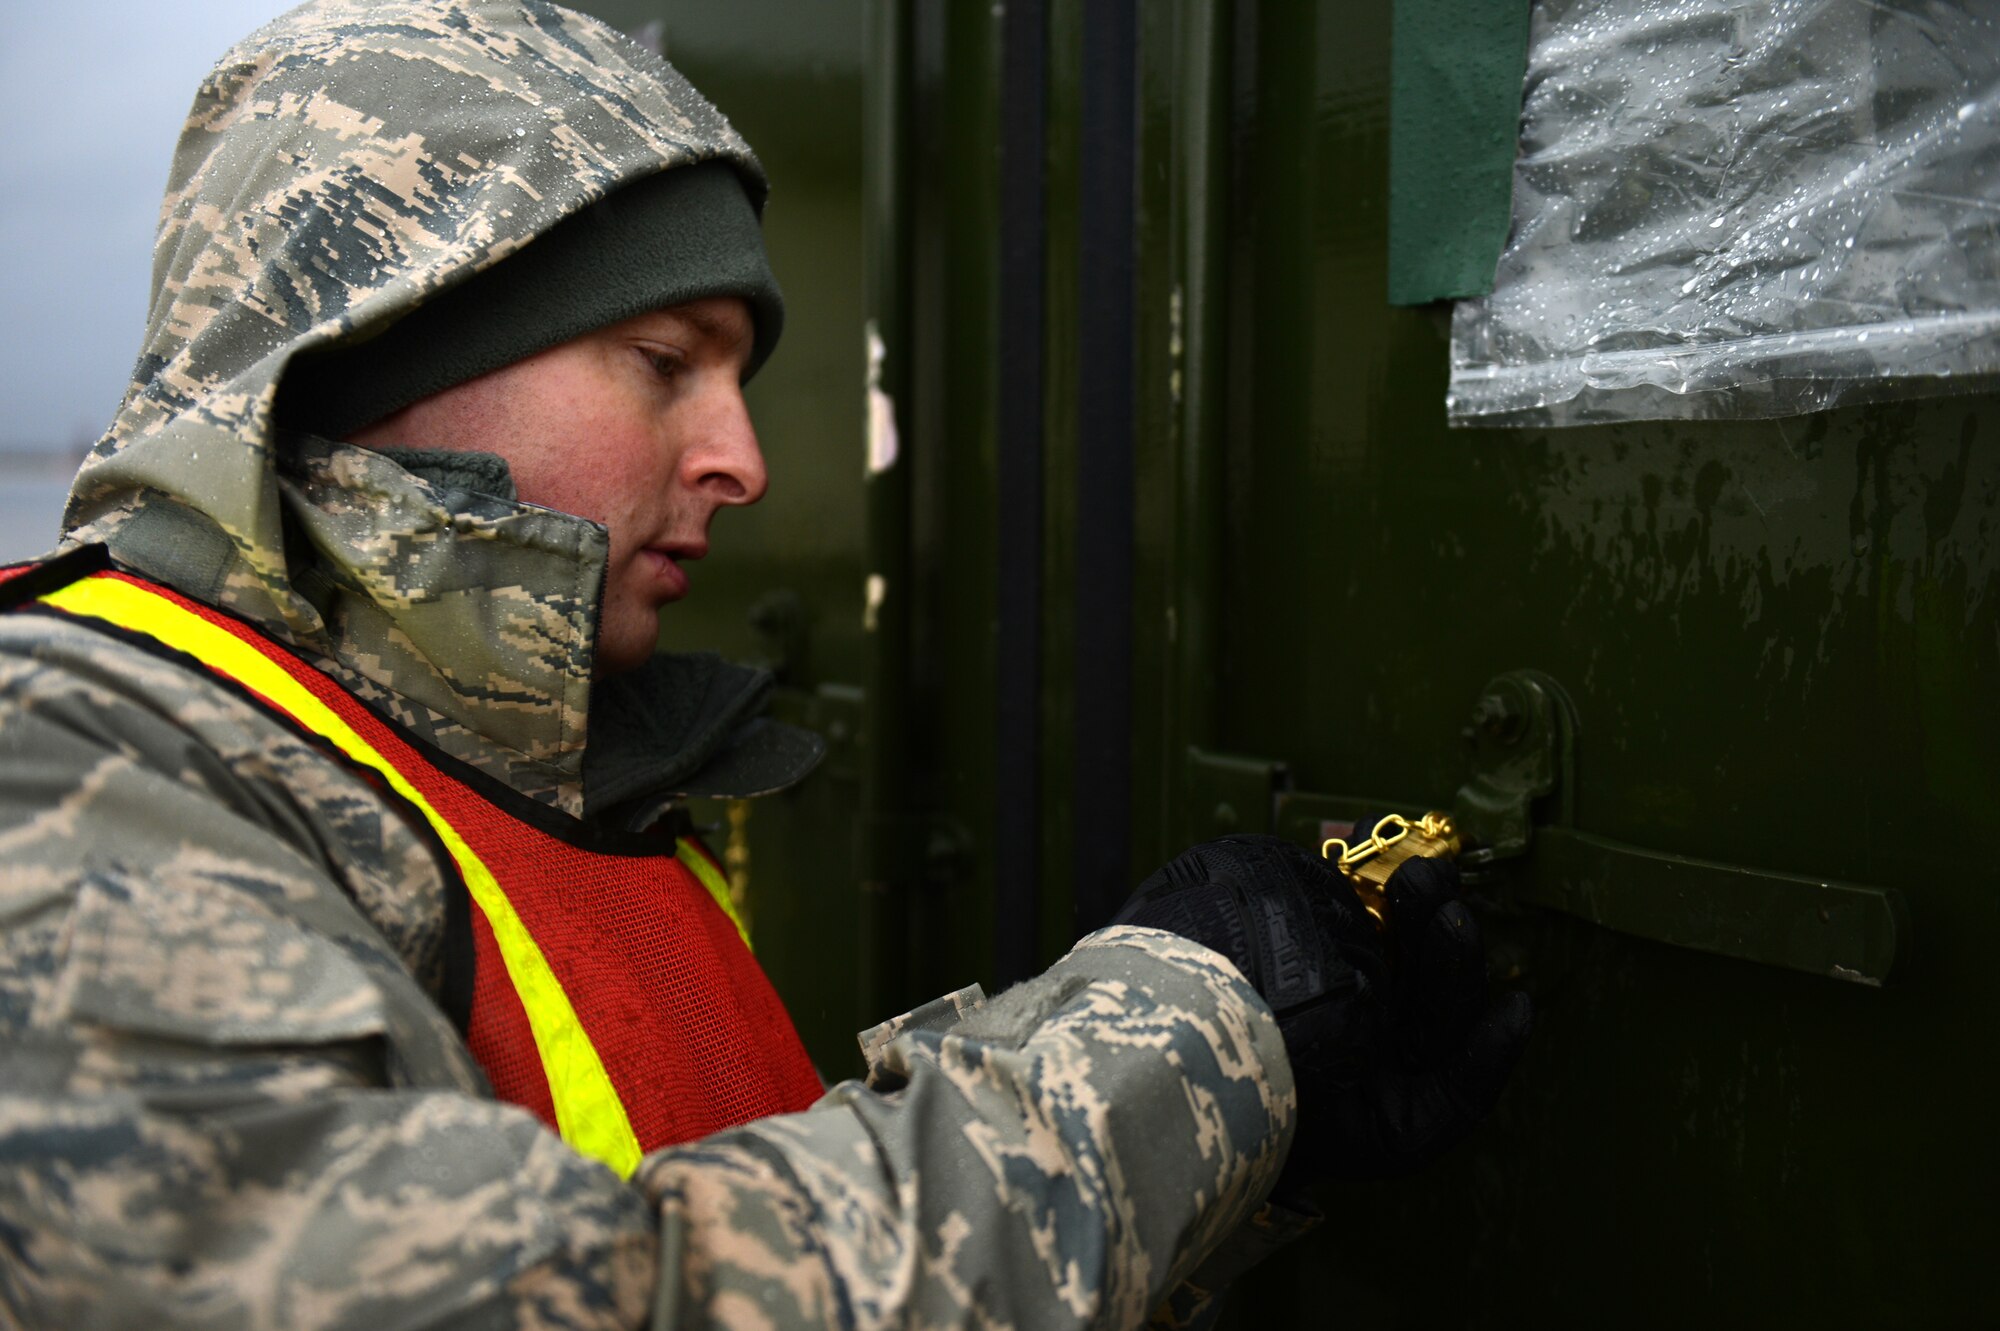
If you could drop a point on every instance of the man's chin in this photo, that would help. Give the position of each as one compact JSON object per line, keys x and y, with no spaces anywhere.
{"x":627,"y":648}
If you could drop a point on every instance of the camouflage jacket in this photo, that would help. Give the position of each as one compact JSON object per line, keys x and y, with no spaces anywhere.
{"x":228,"y":1095}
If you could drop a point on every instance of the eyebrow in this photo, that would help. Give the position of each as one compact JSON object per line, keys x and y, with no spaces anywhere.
{"x":724,"y":329}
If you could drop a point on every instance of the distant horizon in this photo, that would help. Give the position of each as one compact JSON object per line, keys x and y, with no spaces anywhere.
{"x":27,"y":446}
{"x":19,"y":458}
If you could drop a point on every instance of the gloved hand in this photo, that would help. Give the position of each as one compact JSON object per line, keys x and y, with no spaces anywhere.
{"x":1394,"y":1047}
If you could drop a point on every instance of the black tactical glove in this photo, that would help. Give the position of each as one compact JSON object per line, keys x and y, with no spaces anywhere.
{"x":1394,"y":1048}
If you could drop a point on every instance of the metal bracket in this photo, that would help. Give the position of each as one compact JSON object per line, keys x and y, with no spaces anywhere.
{"x":1516,"y":814}
{"x":1519,"y":806}
{"x":1227,"y":792}
{"x":1521,"y":740}
{"x":1231,"y":792}
{"x":1807,"y":924}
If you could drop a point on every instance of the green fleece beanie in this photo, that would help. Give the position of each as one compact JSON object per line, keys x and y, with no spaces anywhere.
{"x":675,"y":237}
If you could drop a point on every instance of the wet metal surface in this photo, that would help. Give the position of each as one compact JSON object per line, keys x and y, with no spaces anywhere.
{"x":1783,"y":643}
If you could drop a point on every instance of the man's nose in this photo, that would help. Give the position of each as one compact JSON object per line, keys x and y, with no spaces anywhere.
{"x":726,"y":462}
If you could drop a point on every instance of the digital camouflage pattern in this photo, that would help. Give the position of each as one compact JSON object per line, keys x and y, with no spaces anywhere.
{"x":451,"y":607}
{"x":230,"y":1098}
{"x":228,"y":1095}
{"x":1101,"y":1193}
{"x":339,"y":166}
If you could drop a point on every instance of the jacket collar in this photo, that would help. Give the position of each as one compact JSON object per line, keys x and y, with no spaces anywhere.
{"x":434,"y":594}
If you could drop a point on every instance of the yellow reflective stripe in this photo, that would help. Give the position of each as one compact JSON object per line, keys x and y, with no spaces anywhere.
{"x":718,"y":887}
{"x":588,"y":1111}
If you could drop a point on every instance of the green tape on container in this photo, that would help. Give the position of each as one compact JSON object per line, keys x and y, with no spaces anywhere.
{"x":1457,"y":68}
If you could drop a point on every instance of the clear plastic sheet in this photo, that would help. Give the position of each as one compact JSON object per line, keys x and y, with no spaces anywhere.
{"x":1728,"y":208}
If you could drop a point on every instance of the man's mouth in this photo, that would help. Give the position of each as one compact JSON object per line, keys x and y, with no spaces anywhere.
{"x":664,"y":563}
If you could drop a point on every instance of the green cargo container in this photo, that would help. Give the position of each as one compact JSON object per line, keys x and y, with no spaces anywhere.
{"x":1170,"y":537}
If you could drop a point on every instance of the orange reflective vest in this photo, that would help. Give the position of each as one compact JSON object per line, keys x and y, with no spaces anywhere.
{"x":614,"y":992}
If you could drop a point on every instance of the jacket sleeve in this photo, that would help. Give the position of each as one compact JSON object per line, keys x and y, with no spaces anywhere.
{"x":227,"y":1097}
{"x":1061,"y":1156}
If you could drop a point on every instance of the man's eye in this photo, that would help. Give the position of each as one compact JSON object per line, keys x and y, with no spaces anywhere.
{"x":666,"y":364}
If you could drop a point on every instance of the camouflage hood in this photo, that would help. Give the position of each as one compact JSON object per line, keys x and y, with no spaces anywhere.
{"x":339,"y":167}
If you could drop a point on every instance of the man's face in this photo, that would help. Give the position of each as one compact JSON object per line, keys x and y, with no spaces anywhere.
{"x":640,"y":425}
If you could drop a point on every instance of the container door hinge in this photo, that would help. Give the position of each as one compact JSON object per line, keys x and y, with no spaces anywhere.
{"x":1516,"y":817}
{"x":1518,"y":809}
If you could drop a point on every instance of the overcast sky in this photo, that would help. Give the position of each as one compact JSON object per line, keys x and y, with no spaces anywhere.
{"x":93,"y":93}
